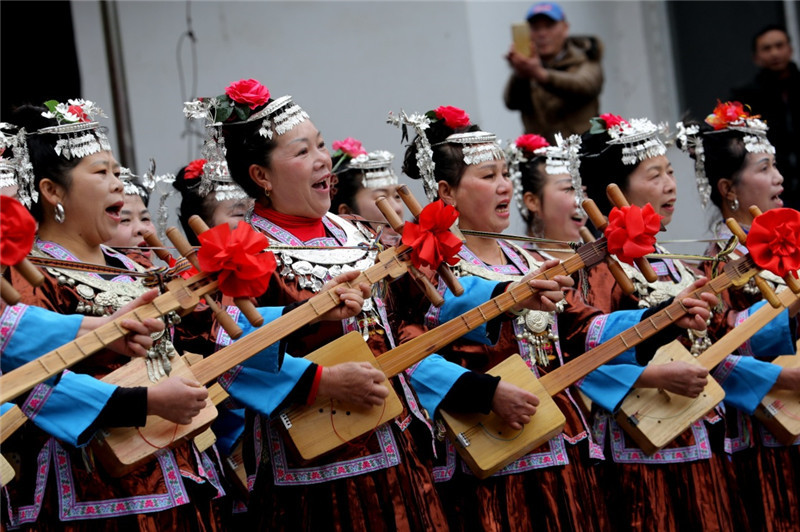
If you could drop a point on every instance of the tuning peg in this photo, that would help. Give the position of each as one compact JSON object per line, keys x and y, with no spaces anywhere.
{"x":616,"y":197}
{"x":443,"y":270}
{"x":600,"y":222}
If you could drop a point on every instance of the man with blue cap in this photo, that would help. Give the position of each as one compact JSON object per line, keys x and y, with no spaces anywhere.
{"x":556,"y":88}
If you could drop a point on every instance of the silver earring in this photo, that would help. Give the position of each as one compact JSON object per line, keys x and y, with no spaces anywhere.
{"x":266,"y":192}
{"x":735,"y":204}
{"x":60,"y":215}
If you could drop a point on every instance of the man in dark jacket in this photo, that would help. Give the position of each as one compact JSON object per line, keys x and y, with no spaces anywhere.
{"x":775,"y":95}
{"x":557,"y":88}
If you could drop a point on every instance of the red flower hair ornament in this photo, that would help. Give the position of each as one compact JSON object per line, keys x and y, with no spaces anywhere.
{"x":727,"y":113}
{"x":631,"y":232}
{"x":431,"y":240}
{"x":453,"y":117}
{"x":531,"y":142}
{"x":244,"y":269}
{"x":773,"y":241}
{"x":194,"y":169}
{"x":17,"y":231}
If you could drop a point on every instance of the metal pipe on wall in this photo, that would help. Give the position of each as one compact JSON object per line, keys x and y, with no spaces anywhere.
{"x":119,"y":85}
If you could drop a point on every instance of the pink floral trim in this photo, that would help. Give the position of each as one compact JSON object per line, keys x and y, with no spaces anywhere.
{"x":287,"y":476}
{"x":72,"y":509}
{"x":9,"y":320}
{"x":30,"y":513}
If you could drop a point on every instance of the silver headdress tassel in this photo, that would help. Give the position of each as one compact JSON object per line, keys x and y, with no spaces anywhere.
{"x":690,"y":140}
{"x":514,"y":157}
{"x":564,"y":158}
{"x":640,"y":140}
{"x":377,"y":169}
{"x":9,"y":139}
{"x":289,"y":116}
{"x":78,"y":134}
{"x":424,"y":151}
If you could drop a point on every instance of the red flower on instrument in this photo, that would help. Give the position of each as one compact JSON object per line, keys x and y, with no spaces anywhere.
{"x":244,"y":269}
{"x":773,"y":241}
{"x":17,"y":231}
{"x":531,"y":142}
{"x":431,"y":240}
{"x":453,"y":116}
{"x":631,"y":232}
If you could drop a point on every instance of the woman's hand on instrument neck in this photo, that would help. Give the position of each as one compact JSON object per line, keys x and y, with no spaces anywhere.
{"x":514,"y":405}
{"x":356,"y":383}
{"x":549,"y":293}
{"x":698,"y":309}
{"x":351,"y":298}
{"x":138,"y":341}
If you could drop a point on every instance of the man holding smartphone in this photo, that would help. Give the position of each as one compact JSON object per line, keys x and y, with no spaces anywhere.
{"x":557,"y":86}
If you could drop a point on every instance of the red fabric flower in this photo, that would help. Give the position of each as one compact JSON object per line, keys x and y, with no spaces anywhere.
{"x":17,"y":230}
{"x":631,"y":232}
{"x":248,"y":91}
{"x":244,"y":271}
{"x":725,"y":113}
{"x":612,"y":120}
{"x":350,"y":146}
{"x":194,"y":169}
{"x":77,"y":111}
{"x":773,"y":241}
{"x":453,"y":116}
{"x":431,"y":240}
{"x":531,"y":142}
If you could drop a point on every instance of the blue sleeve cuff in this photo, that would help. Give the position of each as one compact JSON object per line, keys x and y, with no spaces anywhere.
{"x":72,"y":406}
{"x":476,"y":292}
{"x":28,"y":332}
{"x":263,"y":391}
{"x":432,"y":378}
{"x":746,"y":381}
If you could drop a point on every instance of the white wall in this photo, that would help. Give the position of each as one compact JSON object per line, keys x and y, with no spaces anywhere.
{"x":348,"y":63}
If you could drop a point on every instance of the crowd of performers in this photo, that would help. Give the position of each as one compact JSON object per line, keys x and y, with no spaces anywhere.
{"x":540,"y":338}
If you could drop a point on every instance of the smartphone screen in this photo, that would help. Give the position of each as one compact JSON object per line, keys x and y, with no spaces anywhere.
{"x":521,"y":35}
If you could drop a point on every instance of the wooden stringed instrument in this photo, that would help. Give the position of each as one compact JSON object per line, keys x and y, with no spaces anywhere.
{"x":779,"y":410}
{"x":487,"y":444}
{"x":122,"y":449}
{"x":654,"y":417}
{"x":325,"y":425}
{"x":182,"y":297}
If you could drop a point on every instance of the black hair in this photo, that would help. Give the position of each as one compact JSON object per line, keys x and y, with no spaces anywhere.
{"x":349,"y":181}
{"x":45,"y":161}
{"x":533,"y":178}
{"x":142,"y":191}
{"x":448,"y":158}
{"x":192,"y":203}
{"x":766,"y":29}
{"x":601,"y":165}
{"x":246,"y":147}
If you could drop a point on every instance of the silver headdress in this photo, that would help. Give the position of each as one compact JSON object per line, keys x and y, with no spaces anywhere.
{"x":424,"y":151}
{"x":216,"y":178}
{"x":377,"y":169}
{"x":78,"y":134}
{"x":9,"y":138}
{"x":689,"y":139}
{"x":477,"y":146}
{"x":640,"y":140}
